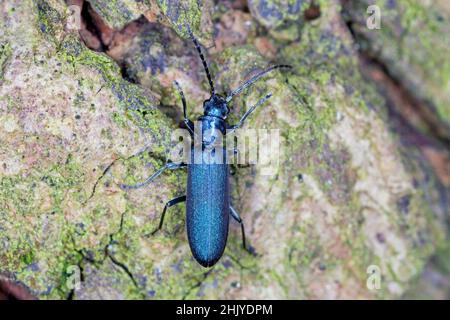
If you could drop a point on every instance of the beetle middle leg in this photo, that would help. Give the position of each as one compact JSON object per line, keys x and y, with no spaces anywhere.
{"x":236,"y":217}
{"x":167,"y":166}
{"x":169,"y":204}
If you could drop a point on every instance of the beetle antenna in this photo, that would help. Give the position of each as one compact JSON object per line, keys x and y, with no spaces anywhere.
{"x":202,"y":57}
{"x":253,"y":79}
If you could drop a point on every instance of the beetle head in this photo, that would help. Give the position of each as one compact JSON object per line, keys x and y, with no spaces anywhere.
{"x":216,"y":106}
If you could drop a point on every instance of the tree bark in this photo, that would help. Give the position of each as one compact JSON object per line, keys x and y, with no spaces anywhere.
{"x":85,"y":109}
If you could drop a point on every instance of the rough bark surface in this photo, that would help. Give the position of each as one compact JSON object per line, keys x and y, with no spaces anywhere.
{"x":350,"y":191}
{"x":410,"y":44}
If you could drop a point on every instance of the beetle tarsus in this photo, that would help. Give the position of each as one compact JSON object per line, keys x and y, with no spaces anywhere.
{"x":169,"y":204}
{"x":236,"y":217}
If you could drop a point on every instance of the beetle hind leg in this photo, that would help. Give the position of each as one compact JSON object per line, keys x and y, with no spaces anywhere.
{"x":169,"y":204}
{"x":236,"y":217}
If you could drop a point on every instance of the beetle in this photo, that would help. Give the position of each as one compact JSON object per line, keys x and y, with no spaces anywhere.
{"x":208,"y":206}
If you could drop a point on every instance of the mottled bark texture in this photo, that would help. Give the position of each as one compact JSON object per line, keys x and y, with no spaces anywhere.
{"x":74,"y":123}
{"x":411,"y":44}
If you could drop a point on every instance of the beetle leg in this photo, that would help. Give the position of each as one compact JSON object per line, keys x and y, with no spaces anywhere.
{"x":169,"y":204}
{"x":169,"y":165}
{"x":183,"y":101}
{"x":232,"y":170}
{"x":236,"y":217}
{"x":249,"y":111}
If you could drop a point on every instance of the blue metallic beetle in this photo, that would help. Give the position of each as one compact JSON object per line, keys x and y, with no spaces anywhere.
{"x":208,"y":204}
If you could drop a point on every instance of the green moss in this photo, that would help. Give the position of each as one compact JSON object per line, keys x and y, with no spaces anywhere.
{"x":442,"y":258}
{"x":119,"y":119}
{"x":314,"y":122}
{"x":28,"y":257}
{"x":135,"y":104}
{"x":188,"y":13}
{"x":118,"y":13}
{"x":283,"y":18}
{"x":410,"y":45}
{"x":431,"y":60}
{"x":49,"y":19}
{"x":25,"y":255}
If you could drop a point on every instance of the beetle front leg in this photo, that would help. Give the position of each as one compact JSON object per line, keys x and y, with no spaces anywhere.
{"x":169,"y":204}
{"x":169,"y":166}
{"x":249,"y":111}
{"x":236,"y":217}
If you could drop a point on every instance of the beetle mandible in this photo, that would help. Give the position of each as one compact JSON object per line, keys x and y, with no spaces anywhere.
{"x":207,"y":198}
